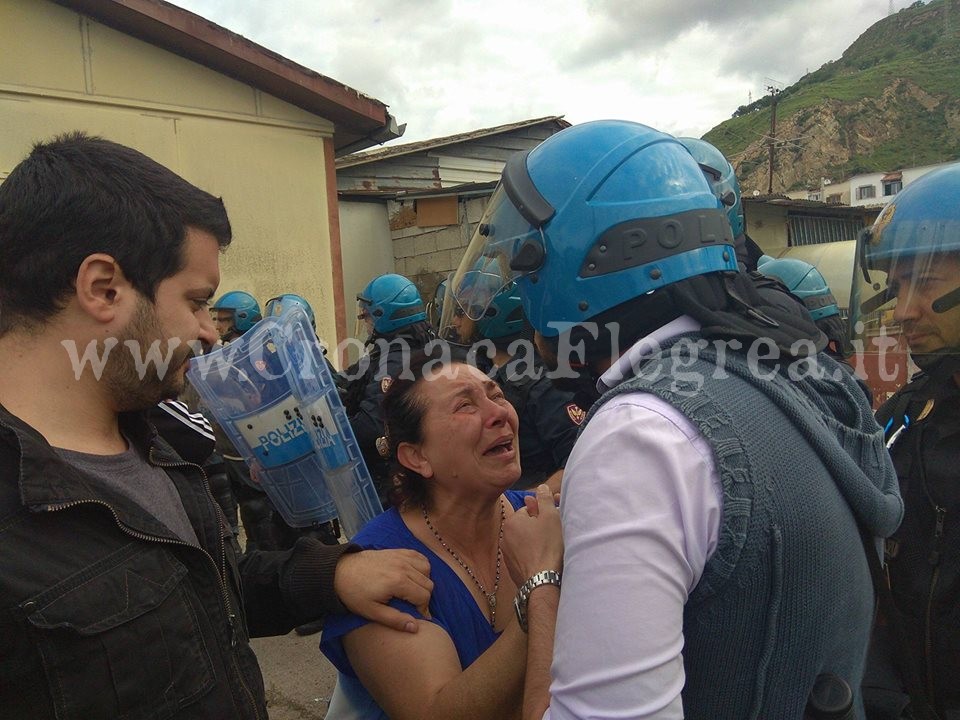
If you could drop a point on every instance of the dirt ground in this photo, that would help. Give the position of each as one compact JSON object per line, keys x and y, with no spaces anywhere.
{"x":297,"y":677}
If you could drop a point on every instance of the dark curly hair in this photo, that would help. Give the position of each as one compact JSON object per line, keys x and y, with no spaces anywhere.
{"x":404,"y":409}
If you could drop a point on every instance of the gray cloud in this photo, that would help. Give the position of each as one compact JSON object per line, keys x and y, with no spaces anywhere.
{"x":786,"y":46}
{"x":448,"y":66}
{"x":626,"y":27}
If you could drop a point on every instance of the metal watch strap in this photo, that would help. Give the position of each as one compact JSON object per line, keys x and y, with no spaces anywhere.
{"x":544,"y":577}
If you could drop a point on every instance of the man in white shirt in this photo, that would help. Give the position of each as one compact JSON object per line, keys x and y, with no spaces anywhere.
{"x":714,"y":502}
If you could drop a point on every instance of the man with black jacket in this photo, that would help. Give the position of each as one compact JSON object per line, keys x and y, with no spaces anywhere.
{"x":121,"y":590}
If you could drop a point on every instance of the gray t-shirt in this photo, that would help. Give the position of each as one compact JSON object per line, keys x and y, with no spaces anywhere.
{"x":136,"y":479}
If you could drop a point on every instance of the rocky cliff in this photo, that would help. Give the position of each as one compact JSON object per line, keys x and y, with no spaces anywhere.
{"x":891,"y":101}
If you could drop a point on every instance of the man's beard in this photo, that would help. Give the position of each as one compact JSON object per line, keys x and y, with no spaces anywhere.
{"x":140,"y":387}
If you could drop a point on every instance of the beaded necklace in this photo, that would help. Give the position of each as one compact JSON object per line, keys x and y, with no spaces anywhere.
{"x":491,"y":597}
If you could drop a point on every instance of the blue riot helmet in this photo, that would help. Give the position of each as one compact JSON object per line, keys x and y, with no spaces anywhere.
{"x":277,"y":305}
{"x":922,"y":219}
{"x":596,"y":215}
{"x":390,"y":302}
{"x":503,"y":316}
{"x":808,"y":285}
{"x":909,"y":264}
{"x":722,"y":178}
{"x":245,"y":310}
{"x":805,"y":282}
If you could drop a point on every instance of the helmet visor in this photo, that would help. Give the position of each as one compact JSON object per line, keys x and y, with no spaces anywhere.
{"x":908,"y":311}
{"x":363,"y":330}
{"x":223,"y":321}
{"x":434,"y":308}
{"x":453,"y":325}
{"x":494,"y":257}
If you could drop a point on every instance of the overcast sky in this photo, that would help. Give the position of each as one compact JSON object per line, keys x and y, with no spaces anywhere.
{"x":450,"y":66}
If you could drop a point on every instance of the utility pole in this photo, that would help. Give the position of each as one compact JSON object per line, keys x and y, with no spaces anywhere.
{"x":774,"y":92}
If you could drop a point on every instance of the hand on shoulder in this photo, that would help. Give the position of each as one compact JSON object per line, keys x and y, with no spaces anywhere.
{"x":366,"y":581}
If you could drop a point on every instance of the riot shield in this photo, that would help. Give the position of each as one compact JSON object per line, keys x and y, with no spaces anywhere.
{"x":273,"y":393}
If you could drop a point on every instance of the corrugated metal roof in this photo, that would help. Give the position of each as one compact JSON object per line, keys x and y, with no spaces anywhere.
{"x":407,"y":148}
{"x":355,"y":116}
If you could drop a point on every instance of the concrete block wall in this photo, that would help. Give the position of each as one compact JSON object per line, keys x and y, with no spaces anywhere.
{"x":427,"y":255}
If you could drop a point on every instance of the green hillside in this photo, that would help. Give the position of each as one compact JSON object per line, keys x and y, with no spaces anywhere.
{"x":916,"y":48}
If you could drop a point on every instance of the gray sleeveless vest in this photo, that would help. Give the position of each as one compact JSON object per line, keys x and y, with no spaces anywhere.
{"x":787,"y":595}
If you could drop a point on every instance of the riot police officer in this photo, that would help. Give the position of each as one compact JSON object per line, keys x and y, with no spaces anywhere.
{"x":723,"y":181}
{"x":391,"y":315}
{"x":234,"y":313}
{"x":806,"y":283}
{"x":916,"y":242}
{"x":710,"y":502}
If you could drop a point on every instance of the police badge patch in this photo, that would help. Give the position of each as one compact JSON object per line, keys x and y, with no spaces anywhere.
{"x":383,"y":448}
{"x":576,"y":413}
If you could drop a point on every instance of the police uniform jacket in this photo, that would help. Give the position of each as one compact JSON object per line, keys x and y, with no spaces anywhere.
{"x":923,"y":556}
{"x":365,"y":383}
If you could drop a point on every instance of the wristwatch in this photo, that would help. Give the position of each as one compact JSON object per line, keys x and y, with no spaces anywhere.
{"x":544,"y":577}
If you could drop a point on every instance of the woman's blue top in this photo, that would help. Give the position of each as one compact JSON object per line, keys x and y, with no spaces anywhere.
{"x":452,"y":607}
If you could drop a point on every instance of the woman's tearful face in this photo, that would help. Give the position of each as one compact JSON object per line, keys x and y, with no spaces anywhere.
{"x":469,"y":429}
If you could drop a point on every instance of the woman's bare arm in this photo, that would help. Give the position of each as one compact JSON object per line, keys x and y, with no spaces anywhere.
{"x":413,"y":676}
{"x":541,"y":624}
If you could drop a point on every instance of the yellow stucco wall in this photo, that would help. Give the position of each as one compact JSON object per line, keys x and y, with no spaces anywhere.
{"x":367,"y":252}
{"x":767,"y":226}
{"x":61,"y":71}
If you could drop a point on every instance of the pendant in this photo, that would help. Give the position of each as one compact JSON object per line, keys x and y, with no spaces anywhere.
{"x":492,"y":602}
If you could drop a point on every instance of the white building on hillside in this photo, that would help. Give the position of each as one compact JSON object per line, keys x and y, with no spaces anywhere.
{"x":877,"y":188}
{"x":864,"y":190}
